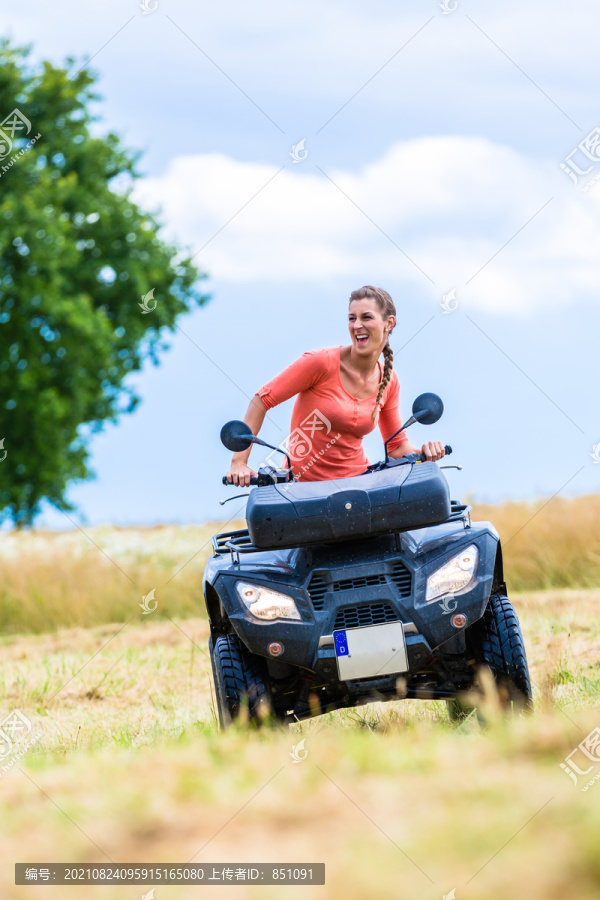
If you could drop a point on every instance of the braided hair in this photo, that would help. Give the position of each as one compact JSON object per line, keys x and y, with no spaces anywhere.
{"x":387,"y":309}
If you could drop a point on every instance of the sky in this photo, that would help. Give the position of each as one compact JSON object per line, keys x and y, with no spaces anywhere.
{"x":447,"y":152}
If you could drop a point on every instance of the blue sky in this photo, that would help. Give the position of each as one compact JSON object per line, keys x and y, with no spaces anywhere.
{"x":433,"y":147}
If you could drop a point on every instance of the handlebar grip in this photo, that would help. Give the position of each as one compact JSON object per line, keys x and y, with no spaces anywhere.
{"x":447,"y":450}
{"x":252,"y":481}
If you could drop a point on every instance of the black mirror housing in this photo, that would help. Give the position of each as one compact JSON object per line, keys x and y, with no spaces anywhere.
{"x":427,"y":409}
{"x":236,"y":436}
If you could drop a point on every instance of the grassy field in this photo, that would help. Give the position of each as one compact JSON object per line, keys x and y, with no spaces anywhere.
{"x":398,"y":801}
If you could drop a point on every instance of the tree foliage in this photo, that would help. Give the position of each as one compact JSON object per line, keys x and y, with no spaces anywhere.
{"x":76,"y":257}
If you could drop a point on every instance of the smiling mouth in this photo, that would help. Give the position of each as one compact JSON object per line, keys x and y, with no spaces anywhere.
{"x":361,"y":338}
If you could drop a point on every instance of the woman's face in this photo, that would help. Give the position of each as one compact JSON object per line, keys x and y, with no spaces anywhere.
{"x":368,"y":329}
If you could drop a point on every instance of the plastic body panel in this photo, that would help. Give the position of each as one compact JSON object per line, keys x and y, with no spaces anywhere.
{"x":392,"y":500}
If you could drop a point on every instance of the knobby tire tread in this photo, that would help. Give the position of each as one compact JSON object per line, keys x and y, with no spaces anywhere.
{"x":238,"y":674}
{"x":502,"y":648}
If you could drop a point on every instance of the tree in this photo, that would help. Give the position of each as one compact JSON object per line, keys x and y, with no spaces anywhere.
{"x":76,"y":257}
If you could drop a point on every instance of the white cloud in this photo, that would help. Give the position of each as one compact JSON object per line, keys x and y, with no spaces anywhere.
{"x":450,"y":203}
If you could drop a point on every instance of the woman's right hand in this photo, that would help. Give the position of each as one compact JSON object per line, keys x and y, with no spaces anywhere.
{"x":240,"y":474}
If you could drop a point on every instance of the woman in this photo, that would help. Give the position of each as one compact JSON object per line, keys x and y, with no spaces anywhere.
{"x":343,"y":392}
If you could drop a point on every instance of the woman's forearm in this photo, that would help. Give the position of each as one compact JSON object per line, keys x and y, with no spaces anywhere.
{"x":254,"y":418}
{"x":402,"y":450}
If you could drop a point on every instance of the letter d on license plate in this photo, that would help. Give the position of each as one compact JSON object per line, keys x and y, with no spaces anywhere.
{"x":370,"y":651}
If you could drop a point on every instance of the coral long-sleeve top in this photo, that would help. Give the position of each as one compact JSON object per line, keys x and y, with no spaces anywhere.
{"x":328,"y":423}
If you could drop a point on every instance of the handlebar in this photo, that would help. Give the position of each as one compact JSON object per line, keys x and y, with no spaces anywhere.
{"x":263,"y":479}
{"x":422,"y":458}
{"x":279,"y":477}
{"x":252,"y":481}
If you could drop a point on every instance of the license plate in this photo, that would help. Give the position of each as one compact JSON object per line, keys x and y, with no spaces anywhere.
{"x":370,"y":651}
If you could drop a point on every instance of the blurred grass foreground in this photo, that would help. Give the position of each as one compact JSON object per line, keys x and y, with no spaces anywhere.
{"x":51,"y":580}
{"x":396,"y":799}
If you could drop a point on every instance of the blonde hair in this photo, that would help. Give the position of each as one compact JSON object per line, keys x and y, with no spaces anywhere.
{"x":387,"y":309}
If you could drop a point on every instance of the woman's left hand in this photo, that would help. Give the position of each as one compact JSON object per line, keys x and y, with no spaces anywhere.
{"x":433,"y":450}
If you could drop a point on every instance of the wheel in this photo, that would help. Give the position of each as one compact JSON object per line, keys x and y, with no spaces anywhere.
{"x":241,"y":681}
{"x":497,"y":643}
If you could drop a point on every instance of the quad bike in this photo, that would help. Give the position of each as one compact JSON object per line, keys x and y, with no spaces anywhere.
{"x":374,"y":587}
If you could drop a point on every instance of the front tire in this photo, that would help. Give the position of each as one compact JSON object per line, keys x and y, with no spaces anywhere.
{"x":498,"y":644}
{"x":241,"y":682}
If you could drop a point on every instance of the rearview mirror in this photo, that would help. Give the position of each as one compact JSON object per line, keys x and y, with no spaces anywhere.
{"x":427,"y":409}
{"x":236,"y":436}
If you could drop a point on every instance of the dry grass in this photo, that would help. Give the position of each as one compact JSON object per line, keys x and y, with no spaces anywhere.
{"x":64,"y":580}
{"x":394,"y":798}
{"x":548,"y":544}
{"x":50,"y":580}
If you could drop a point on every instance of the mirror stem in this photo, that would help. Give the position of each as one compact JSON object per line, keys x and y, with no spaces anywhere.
{"x":257,"y":440}
{"x":410,"y":422}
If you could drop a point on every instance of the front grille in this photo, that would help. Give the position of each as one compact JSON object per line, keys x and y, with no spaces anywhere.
{"x":317,"y":589}
{"x":402,"y":578}
{"x":399,"y":575}
{"x":358,"y":616}
{"x":349,"y":584}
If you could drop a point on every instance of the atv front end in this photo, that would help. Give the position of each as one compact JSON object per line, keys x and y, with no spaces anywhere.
{"x":339,"y":624}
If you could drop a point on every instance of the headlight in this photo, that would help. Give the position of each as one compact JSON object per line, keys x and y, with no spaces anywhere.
{"x":454,"y":575}
{"x":263,"y":603}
